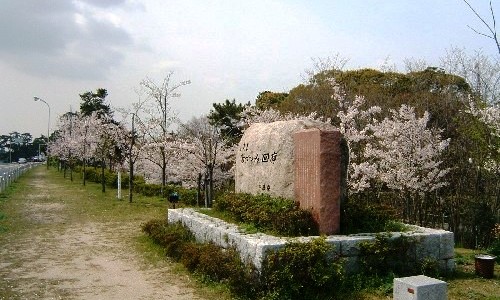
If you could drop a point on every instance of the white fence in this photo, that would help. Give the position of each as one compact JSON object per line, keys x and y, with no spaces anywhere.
{"x":9,"y":173}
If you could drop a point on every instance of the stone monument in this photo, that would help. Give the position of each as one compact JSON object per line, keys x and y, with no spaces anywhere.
{"x":299,"y":160}
{"x":318,"y":176}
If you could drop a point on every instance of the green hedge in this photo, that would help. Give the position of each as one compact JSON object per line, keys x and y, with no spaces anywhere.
{"x":302,"y":271}
{"x":297,"y":271}
{"x":276,"y":215}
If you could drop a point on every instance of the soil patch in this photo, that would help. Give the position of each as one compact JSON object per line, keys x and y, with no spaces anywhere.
{"x":57,"y":257}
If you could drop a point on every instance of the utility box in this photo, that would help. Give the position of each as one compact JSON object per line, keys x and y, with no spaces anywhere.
{"x":419,"y":288}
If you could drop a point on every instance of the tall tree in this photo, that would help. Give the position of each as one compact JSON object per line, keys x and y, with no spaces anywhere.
{"x":227,"y":116}
{"x":95,"y":102}
{"x":268,"y":99}
{"x":206,"y":152}
{"x":158,"y":116}
{"x":481,"y":72}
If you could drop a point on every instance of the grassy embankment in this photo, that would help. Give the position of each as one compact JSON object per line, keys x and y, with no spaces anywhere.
{"x":83,"y":204}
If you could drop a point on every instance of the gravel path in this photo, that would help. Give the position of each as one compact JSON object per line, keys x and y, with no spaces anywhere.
{"x":62,"y":259}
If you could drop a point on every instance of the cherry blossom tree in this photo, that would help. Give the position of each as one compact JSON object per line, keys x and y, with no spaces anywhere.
{"x":490,"y":116}
{"x":400,"y":152}
{"x":406,"y":154}
{"x":206,"y":152}
{"x":89,"y":137}
{"x":157,"y":116}
{"x":135,"y":139}
{"x":65,"y":147}
{"x":108,"y":146}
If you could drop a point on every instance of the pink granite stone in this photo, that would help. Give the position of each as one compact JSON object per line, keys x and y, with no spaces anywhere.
{"x":317,"y":184}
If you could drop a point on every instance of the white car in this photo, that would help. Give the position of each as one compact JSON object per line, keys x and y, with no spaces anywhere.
{"x":22,"y":160}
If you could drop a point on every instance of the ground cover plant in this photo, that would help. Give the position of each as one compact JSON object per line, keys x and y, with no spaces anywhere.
{"x":278,"y":216}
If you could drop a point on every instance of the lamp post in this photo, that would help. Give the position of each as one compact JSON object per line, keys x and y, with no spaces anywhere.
{"x":48,"y":127}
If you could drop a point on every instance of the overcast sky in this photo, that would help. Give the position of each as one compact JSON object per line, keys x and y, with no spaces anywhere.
{"x":58,"y":49}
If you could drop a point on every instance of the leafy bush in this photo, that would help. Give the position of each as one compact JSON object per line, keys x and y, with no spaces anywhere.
{"x":187,"y":196}
{"x":172,"y":237}
{"x":211,"y":262}
{"x":301,"y":271}
{"x":478,"y":223}
{"x":276,"y":215}
{"x":296,"y":271}
{"x":148,"y":190}
{"x":362,"y":216}
{"x":389,"y":255}
{"x":429,"y":267}
{"x":494,"y":248}
{"x":94,"y":175}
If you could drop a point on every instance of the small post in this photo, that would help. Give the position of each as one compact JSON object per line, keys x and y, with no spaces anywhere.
{"x":119,"y":185}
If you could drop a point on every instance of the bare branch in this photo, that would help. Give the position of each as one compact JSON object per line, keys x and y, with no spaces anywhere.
{"x":491,"y":29}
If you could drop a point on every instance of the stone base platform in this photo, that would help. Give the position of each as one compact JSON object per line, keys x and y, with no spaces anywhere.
{"x":430,"y":243}
{"x":419,"y":288}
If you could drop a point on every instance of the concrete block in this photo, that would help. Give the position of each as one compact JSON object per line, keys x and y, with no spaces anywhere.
{"x":428,"y":245}
{"x":419,"y":288}
{"x":447,"y":249}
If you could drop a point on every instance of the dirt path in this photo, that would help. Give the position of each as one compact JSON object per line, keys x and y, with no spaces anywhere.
{"x":59,"y":258}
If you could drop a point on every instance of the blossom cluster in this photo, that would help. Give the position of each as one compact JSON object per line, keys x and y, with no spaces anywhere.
{"x":87,"y":138}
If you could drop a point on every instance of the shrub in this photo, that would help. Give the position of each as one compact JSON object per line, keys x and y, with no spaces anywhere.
{"x":187,"y":196}
{"x":301,"y":271}
{"x":361,"y":216}
{"x":276,"y":215}
{"x":387,"y":255}
{"x":172,"y":237}
{"x":429,"y":267}
{"x":211,"y":262}
{"x":494,"y":248}
{"x":478,"y":223}
{"x":190,"y":257}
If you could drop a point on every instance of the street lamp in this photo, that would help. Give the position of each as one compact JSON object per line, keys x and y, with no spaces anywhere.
{"x":48,"y":126}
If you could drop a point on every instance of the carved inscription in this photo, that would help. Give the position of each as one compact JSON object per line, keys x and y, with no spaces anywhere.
{"x":265,"y":187}
{"x":247,"y":156}
{"x":265,"y":159}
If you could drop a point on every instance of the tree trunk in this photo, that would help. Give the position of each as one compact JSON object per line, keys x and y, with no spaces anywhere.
{"x":131,"y":182}
{"x":211,"y":184}
{"x":198,"y":194}
{"x":84,"y":170}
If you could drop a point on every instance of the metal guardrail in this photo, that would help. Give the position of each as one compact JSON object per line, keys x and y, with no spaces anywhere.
{"x":13,"y":172}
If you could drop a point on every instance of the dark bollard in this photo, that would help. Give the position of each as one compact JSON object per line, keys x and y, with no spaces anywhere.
{"x":173,"y":198}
